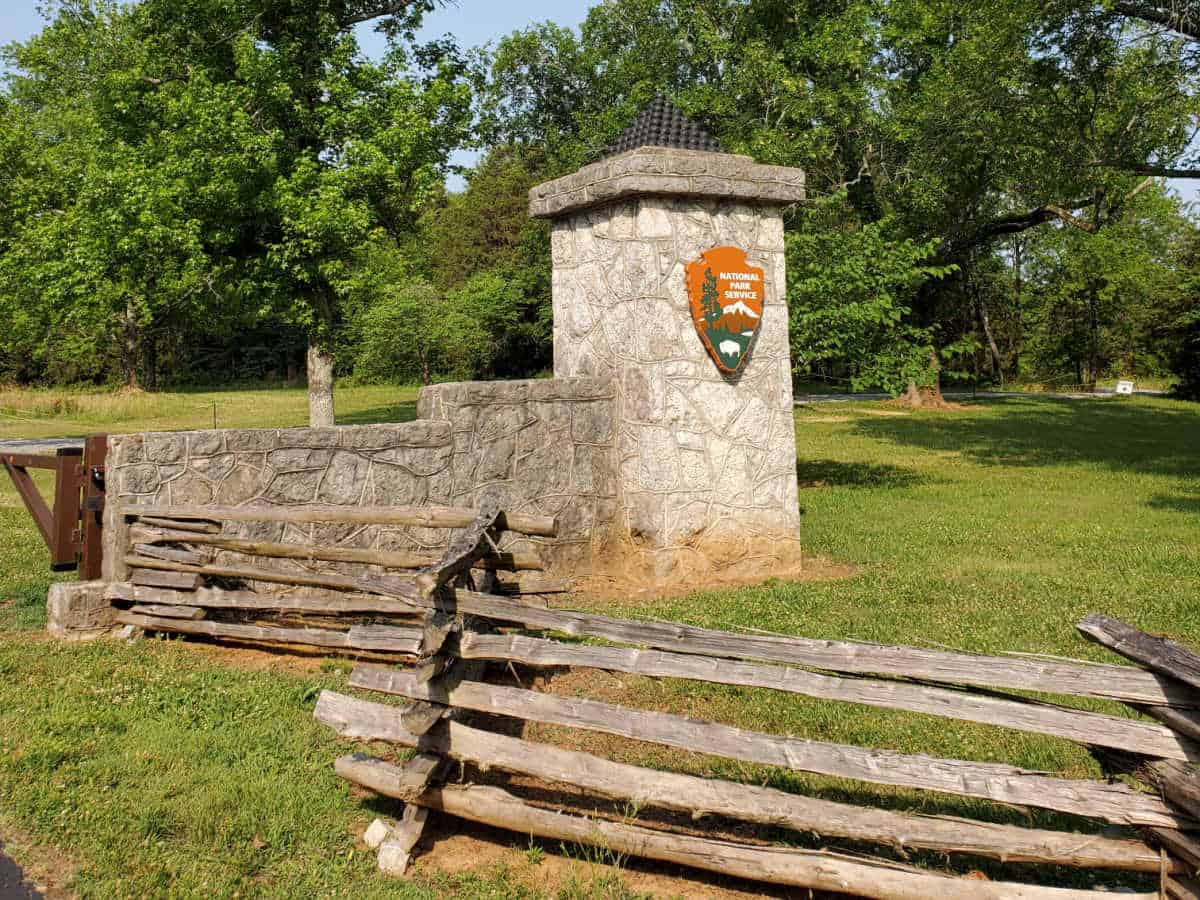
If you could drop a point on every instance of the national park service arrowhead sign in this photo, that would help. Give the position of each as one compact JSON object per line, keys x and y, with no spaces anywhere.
{"x":726,"y":294}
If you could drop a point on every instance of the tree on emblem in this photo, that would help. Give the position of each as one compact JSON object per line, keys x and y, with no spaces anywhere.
{"x":709,"y":300}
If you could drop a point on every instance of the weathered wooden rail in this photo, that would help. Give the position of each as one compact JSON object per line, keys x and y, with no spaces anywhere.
{"x":175,"y":585}
{"x":444,"y":619}
{"x":718,"y":657}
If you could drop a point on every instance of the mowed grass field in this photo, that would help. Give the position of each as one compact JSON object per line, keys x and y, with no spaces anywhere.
{"x":156,"y":769}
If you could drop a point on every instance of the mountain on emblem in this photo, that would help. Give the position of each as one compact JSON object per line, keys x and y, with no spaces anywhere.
{"x":726,"y":294}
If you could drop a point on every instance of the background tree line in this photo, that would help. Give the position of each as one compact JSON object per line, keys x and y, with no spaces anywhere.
{"x":205,"y":190}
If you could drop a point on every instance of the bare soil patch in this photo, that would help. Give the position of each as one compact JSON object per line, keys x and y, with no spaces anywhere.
{"x":48,"y":870}
{"x":615,"y":588}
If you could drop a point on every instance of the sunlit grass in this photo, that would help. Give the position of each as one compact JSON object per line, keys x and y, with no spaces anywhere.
{"x":994,"y":529}
{"x":57,"y":413}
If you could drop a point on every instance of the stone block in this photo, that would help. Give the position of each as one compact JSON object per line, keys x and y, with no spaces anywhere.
{"x":191,"y":489}
{"x":658,"y":468}
{"x":250,"y":440}
{"x":241,"y":484}
{"x":291,"y":487}
{"x":653,"y":221}
{"x":298,"y":460}
{"x":344,"y":478}
{"x":392,"y":485}
{"x":501,"y":420}
{"x":214,"y":468}
{"x":496,"y":464}
{"x":308,"y":438}
{"x":124,"y":449}
{"x":592,"y":423}
{"x":205,"y":443}
{"x":77,"y":610}
{"x":139,"y":478}
{"x":165,"y":448}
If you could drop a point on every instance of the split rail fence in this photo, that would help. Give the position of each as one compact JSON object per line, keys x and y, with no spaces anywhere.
{"x":445,"y":622}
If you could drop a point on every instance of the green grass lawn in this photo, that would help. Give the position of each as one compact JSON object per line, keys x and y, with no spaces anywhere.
{"x":157,"y":771}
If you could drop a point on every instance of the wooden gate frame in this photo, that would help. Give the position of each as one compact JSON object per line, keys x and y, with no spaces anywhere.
{"x":71,"y":523}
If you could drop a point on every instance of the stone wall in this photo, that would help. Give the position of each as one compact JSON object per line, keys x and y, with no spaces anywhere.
{"x":706,"y":462}
{"x":549,"y":443}
{"x":385,"y":465}
{"x":546,"y":442}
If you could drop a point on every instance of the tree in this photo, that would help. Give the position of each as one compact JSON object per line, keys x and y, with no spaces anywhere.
{"x":963,"y":124}
{"x":238,"y":155}
{"x":484,"y":235}
{"x":402,"y":326}
{"x":850,"y":290}
{"x":710,"y":300}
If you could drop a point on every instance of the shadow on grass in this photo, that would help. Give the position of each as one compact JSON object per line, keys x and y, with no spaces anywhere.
{"x":401,"y":411}
{"x":835,"y":473}
{"x":1126,"y":436}
{"x":1178,"y":504}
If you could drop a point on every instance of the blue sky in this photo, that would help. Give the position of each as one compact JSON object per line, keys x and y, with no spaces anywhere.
{"x":473,"y":22}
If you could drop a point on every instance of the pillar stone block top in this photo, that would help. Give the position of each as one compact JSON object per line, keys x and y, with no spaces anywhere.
{"x":667,"y":172}
{"x":668,"y":277}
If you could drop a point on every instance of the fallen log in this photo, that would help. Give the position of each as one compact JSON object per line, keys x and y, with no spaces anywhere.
{"x":404,"y":640}
{"x":1183,"y":889}
{"x":1016,"y":673}
{"x":1179,"y":782}
{"x":991,"y":781}
{"x":420,"y":516}
{"x":1088,"y":728}
{"x":365,"y":720}
{"x":1183,"y":721}
{"x":390,"y":559}
{"x":401,"y":782}
{"x":1160,"y":654}
{"x":815,"y":869}
{"x":1179,"y":844}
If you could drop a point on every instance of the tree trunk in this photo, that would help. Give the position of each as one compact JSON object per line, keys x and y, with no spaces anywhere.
{"x":929,"y":395}
{"x":997,"y":361}
{"x":1093,"y":338}
{"x":130,"y":349}
{"x":320,"y":387}
{"x":1018,"y":285}
{"x":150,"y":362}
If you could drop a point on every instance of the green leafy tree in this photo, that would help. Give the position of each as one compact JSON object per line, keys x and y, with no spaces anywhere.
{"x":403,"y":327}
{"x":484,"y":237}
{"x":226,"y":157}
{"x":850,"y":291}
{"x":959,"y":124}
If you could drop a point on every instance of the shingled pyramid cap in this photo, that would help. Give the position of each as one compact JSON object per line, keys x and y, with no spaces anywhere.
{"x":661,"y":124}
{"x":664,"y":154}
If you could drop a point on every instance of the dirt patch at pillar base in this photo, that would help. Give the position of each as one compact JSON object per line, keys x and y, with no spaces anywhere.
{"x":629,"y":575}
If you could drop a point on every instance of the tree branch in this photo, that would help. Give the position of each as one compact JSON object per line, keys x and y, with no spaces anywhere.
{"x":355,"y":12}
{"x":1176,"y":16}
{"x":1150,"y":169}
{"x":1015,"y":223}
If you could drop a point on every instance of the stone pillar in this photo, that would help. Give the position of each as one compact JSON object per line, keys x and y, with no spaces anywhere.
{"x":706,"y":460}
